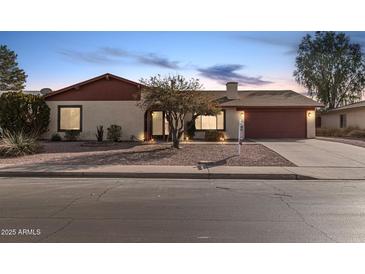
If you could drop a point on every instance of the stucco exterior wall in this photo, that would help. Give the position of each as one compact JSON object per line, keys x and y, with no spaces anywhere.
{"x":232,"y":120}
{"x":311,"y":123}
{"x":354,"y":118}
{"x":131,"y":117}
{"x":124,"y":113}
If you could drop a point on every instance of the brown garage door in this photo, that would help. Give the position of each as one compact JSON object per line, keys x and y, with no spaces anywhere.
{"x":275,"y":123}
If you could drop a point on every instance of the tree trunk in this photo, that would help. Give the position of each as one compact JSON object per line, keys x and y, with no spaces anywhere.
{"x":175,"y":143}
{"x":175,"y":139}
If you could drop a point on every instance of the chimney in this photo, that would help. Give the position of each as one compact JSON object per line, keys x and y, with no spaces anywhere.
{"x":232,"y":90}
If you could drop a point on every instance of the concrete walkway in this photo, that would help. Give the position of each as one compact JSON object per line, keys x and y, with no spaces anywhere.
{"x":318,"y":153}
{"x":151,"y":171}
{"x":185,"y":172}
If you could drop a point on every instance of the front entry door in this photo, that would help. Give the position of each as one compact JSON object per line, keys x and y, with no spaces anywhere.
{"x":159,"y":125}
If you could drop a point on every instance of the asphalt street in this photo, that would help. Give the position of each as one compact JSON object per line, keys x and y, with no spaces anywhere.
{"x":167,"y":210}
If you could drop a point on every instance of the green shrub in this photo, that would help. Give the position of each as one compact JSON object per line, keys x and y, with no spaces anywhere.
{"x":17,"y":144}
{"x":26,"y":113}
{"x":213,"y":135}
{"x":99,"y":133}
{"x":357,"y":133}
{"x":114,"y":133}
{"x":72,"y":135}
{"x":56,"y":137}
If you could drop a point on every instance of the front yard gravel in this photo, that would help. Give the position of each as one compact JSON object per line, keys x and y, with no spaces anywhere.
{"x":128,"y":153}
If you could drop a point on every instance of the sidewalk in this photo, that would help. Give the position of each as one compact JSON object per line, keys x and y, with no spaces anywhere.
{"x":185,"y":172}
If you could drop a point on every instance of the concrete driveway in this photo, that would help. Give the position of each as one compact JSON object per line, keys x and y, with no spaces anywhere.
{"x":318,"y":153}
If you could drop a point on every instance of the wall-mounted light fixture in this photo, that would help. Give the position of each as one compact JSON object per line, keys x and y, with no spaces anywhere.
{"x":242,"y":115}
{"x":309,"y":114}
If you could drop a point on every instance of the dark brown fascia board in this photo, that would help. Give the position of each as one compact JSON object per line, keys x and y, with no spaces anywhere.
{"x":106,"y":76}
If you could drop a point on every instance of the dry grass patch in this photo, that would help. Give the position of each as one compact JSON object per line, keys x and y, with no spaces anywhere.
{"x":352,"y":132}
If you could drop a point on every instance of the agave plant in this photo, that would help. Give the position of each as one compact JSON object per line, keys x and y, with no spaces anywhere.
{"x":99,"y":133}
{"x":18,"y":144}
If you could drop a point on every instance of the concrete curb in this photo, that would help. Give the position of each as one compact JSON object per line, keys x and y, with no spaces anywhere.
{"x":253,"y":176}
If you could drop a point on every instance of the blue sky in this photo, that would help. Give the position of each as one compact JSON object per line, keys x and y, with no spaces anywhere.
{"x":257,"y":60}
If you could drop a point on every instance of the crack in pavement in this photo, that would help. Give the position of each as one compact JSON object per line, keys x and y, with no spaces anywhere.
{"x":282,"y":194}
{"x":65,"y":207}
{"x":300,"y":215}
{"x":223,"y":188}
{"x":78,"y":198}
{"x":56,"y":231}
{"x":305,"y":221}
{"x":107,"y":190}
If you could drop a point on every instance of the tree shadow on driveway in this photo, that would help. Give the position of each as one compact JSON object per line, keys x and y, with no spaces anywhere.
{"x":209,"y":164}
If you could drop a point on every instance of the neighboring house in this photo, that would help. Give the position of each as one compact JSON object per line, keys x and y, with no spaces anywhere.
{"x":109,"y":99}
{"x":347,"y":116}
{"x":34,"y":92}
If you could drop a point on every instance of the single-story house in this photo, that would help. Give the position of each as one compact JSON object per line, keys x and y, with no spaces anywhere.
{"x":352,"y":115}
{"x":109,"y":99}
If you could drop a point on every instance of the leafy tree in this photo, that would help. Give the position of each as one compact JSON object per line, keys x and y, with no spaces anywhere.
{"x":12,"y":78}
{"x":25,"y":113}
{"x":176,"y":96}
{"x":331,"y":68}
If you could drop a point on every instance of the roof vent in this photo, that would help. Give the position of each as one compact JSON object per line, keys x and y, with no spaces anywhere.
{"x":232,"y":90}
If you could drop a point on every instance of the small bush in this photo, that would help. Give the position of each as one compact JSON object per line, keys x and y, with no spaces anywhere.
{"x":114,"y":133}
{"x":56,"y":137}
{"x":357,"y":133}
{"x":17,"y":144}
{"x":99,"y":133}
{"x":213,"y":135}
{"x":72,"y":135}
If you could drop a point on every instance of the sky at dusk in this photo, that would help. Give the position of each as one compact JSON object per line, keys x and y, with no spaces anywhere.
{"x":257,"y":60}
